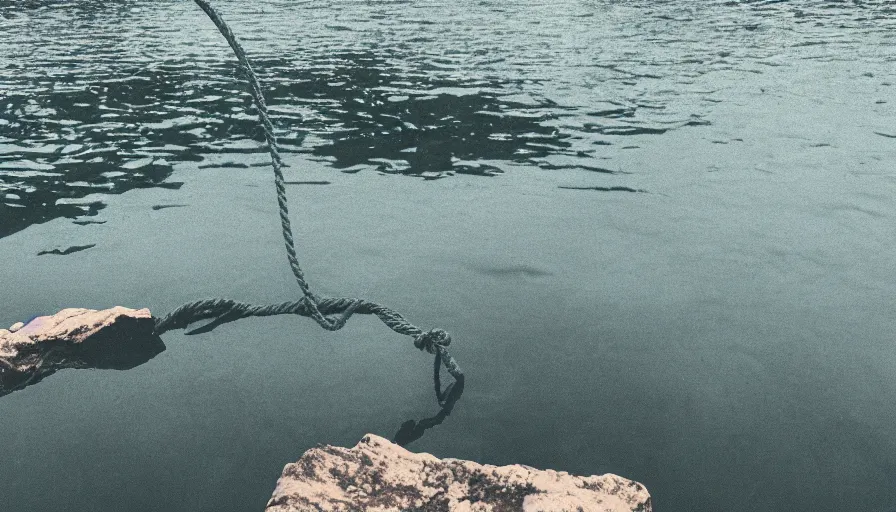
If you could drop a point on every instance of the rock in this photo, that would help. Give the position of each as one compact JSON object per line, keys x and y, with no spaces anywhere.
{"x":74,"y":325}
{"x":377,"y":475}
{"x":117,"y":338}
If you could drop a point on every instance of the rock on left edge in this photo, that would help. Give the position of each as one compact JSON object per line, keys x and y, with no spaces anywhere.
{"x":117,"y":338}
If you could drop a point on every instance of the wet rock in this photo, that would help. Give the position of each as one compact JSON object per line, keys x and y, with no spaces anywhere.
{"x":377,"y":475}
{"x":117,"y":338}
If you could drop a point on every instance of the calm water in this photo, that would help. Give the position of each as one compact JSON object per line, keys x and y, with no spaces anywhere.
{"x":660,"y":233}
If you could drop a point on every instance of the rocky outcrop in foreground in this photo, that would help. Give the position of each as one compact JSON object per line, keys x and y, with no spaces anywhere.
{"x":117,"y":338}
{"x":377,"y":475}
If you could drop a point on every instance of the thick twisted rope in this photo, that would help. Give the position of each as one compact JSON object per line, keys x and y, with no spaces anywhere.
{"x":331,"y":324}
{"x":329,"y":313}
{"x":434,"y":341}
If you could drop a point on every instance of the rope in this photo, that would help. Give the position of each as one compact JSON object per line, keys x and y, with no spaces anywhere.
{"x":329,"y":313}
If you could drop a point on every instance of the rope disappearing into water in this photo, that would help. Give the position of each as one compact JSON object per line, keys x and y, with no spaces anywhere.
{"x":329,"y":313}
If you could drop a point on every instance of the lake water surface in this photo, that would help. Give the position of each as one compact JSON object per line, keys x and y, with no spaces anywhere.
{"x":660,"y":233}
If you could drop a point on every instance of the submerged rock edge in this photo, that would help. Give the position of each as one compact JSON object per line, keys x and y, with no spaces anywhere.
{"x":115,"y":338}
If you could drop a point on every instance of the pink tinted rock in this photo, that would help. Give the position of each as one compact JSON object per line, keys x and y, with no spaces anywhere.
{"x":377,"y":475}
{"x":76,"y":324}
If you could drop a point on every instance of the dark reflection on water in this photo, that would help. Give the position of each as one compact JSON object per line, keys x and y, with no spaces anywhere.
{"x":70,"y":139}
{"x":411,"y":430}
{"x":68,"y":250}
{"x":75,"y":136}
{"x":95,"y":102}
{"x":425,"y":125}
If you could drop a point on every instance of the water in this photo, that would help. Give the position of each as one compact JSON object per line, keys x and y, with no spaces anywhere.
{"x":724,"y":336}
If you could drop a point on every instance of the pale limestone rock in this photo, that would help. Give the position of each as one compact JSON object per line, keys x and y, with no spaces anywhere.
{"x":77,"y":324}
{"x":116,"y":338}
{"x":377,"y":475}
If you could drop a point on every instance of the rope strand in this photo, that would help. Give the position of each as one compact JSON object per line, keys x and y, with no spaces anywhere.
{"x":329,"y":313}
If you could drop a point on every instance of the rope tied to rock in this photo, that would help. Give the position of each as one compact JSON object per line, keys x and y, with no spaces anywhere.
{"x":330,"y":313}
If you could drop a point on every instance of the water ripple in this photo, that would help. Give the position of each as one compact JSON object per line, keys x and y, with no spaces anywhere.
{"x":102,"y":99}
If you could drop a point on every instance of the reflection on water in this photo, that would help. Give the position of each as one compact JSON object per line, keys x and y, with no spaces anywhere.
{"x":102,"y":98}
{"x":369,"y":112}
{"x":106,"y":116}
{"x":411,"y":430}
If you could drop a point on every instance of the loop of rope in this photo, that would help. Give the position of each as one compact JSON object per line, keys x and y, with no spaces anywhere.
{"x":329,"y":313}
{"x":222,"y":311}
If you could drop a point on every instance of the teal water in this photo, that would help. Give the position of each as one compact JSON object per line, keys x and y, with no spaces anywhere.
{"x":724,"y":336}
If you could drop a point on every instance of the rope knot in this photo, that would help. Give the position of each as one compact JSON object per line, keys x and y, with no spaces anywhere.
{"x":431,"y":339}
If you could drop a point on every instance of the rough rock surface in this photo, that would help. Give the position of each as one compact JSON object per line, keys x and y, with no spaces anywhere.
{"x":377,"y":475}
{"x":116,"y":338}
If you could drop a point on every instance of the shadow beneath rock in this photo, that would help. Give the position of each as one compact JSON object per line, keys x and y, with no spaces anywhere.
{"x":120,"y":347}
